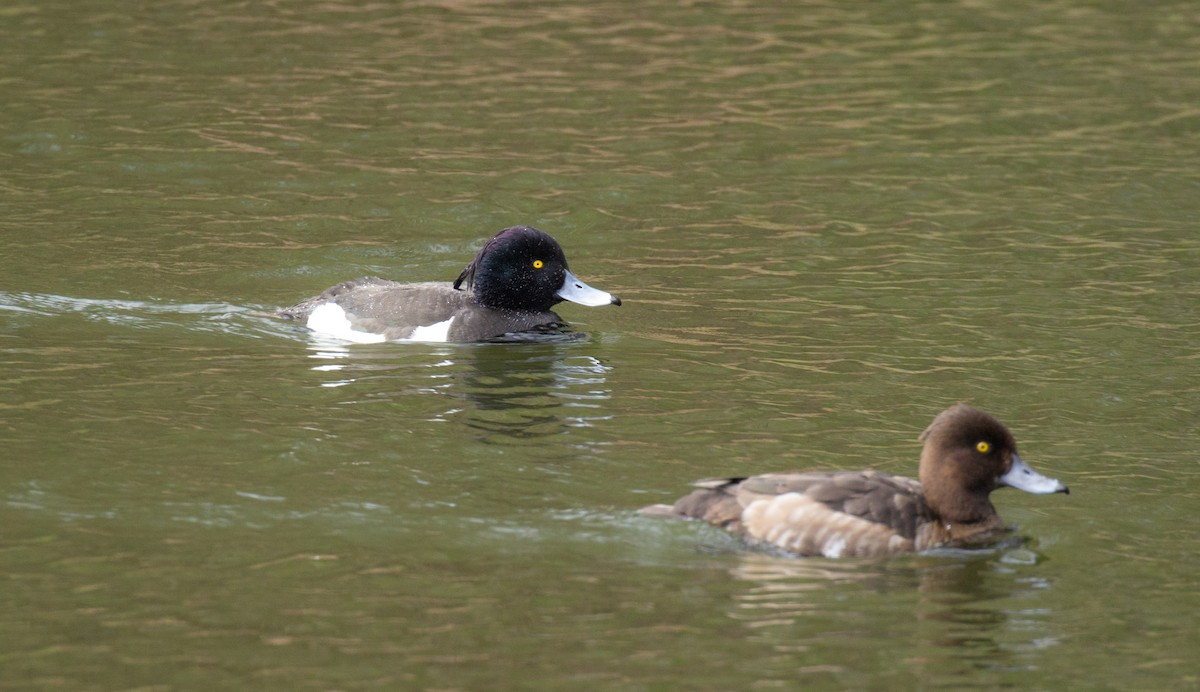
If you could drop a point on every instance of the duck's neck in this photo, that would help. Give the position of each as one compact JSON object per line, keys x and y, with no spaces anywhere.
{"x":949,"y":499}
{"x":960,"y":509}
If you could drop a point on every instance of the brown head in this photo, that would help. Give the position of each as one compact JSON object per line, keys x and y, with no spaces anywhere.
{"x":969,"y":453}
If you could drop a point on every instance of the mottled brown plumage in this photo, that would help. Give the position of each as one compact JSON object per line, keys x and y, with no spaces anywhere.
{"x":967,"y":454}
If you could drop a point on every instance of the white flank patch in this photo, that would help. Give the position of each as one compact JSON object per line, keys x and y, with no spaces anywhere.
{"x":834,"y":547}
{"x":330,"y":319}
{"x":434,"y":332}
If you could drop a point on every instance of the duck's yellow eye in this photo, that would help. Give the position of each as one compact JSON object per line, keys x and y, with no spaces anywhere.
{"x":983,"y":447}
{"x":538,"y":264}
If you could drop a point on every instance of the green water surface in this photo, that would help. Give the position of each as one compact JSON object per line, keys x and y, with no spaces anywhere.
{"x":828,"y":221}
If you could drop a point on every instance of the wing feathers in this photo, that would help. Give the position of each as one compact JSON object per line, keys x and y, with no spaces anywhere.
{"x":836,"y":513}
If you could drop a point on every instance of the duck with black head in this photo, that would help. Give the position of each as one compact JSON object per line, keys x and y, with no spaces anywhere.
{"x":967,"y":454}
{"x":508,"y":288}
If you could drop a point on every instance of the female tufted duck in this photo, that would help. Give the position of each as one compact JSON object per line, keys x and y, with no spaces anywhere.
{"x":510,"y":285}
{"x":968,"y":453}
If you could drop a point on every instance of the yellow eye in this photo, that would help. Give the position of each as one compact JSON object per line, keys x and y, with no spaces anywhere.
{"x":538,"y":264}
{"x":983,"y":447}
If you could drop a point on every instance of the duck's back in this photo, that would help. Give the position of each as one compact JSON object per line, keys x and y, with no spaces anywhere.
{"x":830,"y":513}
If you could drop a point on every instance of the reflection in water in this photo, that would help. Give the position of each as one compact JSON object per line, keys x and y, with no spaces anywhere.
{"x":503,"y":392}
{"x":963,"y":607}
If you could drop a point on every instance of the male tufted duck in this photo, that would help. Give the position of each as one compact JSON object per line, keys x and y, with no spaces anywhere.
{"x":510,"y":285}
{"x":968,"y":453}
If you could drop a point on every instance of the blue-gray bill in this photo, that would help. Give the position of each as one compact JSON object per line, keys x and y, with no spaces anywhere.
{"x":1021,"y":477}
{"x":576,"y":291}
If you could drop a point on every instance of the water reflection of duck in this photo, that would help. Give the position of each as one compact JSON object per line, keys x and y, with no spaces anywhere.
{"x":548,"y":386}
{"x":512,"y":283}
{"x":968,"y":453}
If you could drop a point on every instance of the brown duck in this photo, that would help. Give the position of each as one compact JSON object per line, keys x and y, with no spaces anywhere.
{"x":968,"y":453}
